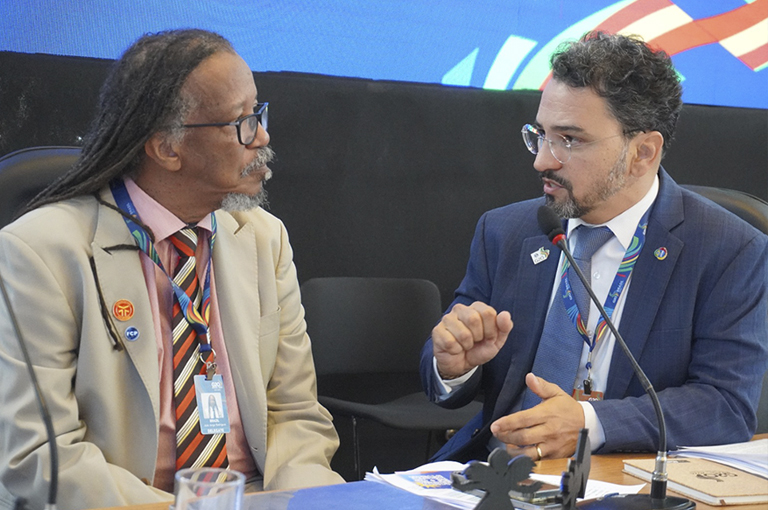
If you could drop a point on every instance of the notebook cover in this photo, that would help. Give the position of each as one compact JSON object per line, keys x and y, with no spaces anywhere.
{"x":704,"y":480}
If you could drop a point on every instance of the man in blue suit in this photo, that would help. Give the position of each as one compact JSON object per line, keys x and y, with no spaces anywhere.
{"x":686,"y":282}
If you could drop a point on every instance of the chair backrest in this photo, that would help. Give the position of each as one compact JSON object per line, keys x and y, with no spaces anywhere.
{"x":24,"y":174}
{"x":369,"y":325}
{"x":754,"y":211}
{"x":750,"y":208}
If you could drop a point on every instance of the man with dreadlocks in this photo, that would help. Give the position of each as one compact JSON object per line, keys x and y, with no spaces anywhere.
{"x":147,"y":279}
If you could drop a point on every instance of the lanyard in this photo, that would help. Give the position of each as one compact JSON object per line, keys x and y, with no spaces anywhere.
{"x":618,"y":285}
{"x":198,"y":319}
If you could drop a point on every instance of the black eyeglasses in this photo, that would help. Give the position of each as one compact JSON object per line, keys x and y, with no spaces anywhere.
{"x":247,"y":126}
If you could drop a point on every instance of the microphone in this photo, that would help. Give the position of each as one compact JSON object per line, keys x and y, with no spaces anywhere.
{"x":550,"y":224}
{"x":43,"y":407}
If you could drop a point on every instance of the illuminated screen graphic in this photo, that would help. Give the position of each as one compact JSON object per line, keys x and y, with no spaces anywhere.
{"x":719,"y":47}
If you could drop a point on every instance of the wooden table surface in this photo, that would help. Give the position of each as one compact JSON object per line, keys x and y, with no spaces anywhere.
{"x":606,"y":468}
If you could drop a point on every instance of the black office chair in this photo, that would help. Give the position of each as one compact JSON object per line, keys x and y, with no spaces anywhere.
{"x":367,"y":334}
{"x":748,"y":207}
{"x":754,"y":211}
{"x":24,"y":173}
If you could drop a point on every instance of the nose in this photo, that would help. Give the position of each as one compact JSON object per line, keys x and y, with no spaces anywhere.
{"x":262,"y":138}
{"x":545,"y":160}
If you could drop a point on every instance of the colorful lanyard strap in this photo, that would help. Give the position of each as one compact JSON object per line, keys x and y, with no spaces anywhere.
{"x":198,"y":319}
{"x":619,"y":283}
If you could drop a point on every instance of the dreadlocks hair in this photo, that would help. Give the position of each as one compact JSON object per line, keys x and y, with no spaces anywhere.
{"x":141,"y":96}
{"x":639,"y":84}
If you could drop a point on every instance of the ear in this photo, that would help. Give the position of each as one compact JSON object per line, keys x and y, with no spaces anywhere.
{"x":647,"y":154}
{"x":163,"y":152}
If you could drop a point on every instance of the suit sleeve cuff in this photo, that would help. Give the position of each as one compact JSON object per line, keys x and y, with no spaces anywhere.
{"x":444,"y":387}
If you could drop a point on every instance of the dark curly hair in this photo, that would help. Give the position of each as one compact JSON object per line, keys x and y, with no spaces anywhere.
{"x":140,"y":97}
{"x":640,"y":85}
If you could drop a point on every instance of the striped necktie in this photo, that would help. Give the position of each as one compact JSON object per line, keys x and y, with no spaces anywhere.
{"x":193,"y":449}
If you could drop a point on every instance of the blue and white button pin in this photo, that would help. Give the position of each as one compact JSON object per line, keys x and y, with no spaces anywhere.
{"x":131,"y":334}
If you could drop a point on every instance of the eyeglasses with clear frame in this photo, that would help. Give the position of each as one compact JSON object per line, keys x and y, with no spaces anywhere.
{"x":559,"y":146}
{"x":247,"y":126}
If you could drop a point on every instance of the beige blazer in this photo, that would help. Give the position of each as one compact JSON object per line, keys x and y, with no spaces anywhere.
{"x":104,"y":394}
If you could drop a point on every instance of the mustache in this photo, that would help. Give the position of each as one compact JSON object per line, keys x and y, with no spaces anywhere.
{"x":264,"y":155}
{"x":552,"y":176}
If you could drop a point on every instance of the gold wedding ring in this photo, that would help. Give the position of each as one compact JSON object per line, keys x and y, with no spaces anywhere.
{"x":538,"y":452}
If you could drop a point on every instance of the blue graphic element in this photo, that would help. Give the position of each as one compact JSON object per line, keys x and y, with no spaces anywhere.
{"x":697,"y":9}
{"x":493,"y":44}
{"x":461,"y":74}
{"x":507,"y":61}
{"x":531,"y":77}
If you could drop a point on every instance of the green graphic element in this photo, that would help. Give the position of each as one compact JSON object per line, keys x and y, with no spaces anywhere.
{"x":537,"y":69}
{"x":509,"y":58}
{"x":461,"y":73}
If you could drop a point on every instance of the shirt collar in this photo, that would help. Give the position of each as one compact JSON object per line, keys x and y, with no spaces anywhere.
{"x":154,"y":215}
{"x":625,"y":224}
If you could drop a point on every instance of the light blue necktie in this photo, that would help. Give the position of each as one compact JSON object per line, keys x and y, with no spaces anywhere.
{"x":559,"y":352}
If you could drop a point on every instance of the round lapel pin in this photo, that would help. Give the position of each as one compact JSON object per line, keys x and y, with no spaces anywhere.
{"x":661,"y":253}
{"x":131,"y":334}
{"x":122,"y":310}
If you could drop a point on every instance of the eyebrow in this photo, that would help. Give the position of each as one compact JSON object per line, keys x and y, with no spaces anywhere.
{"x":226,"y":111}
{"x":236,"y":109}
{"x":562,"y":127}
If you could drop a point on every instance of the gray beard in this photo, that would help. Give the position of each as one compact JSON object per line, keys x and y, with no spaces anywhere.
{"x":240,"y":201}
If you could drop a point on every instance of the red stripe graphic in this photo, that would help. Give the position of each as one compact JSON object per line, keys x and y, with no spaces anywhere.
{"x":732,"y":22}
{"x":757,"y":57}
{"x":632,"y":13}
{"x":696,"y":33}
{"x":682,"y":38}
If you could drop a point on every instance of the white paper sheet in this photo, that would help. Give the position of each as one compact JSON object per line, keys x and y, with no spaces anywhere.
{"x":751,"y":456}
{"x":433,"y":481}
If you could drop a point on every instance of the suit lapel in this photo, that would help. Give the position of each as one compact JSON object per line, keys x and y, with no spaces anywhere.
{"x":120,"y":276}
{"x":648,"y":287}
{"x":235,"y":265}
{"x":533,"y":291}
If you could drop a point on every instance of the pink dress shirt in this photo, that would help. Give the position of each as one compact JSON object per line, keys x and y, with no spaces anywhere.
{"x":164,"y":224}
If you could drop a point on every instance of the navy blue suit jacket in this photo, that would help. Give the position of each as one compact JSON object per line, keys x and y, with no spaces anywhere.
{"x":696,"y":321}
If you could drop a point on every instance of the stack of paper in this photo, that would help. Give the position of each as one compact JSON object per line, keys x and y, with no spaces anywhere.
{"x":433,"y":481}
{"x":751,"y":456}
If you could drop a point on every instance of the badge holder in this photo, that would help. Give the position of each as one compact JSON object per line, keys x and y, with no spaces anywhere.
{"x":211,"y":400}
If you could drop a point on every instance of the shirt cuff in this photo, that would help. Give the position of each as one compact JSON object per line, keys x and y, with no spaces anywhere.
{"x":592,"y":423}
{"x":446,"y":386}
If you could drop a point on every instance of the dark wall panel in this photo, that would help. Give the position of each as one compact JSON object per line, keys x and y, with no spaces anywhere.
{"x":383,"y":178}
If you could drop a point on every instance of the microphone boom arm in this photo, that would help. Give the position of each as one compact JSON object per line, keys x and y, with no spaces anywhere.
{"x":43,"y":407}
{"x":659,"y":477}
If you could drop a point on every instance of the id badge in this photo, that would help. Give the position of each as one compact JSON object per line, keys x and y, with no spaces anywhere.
{"x":211,"y":405}
{"x":583,"y":397}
